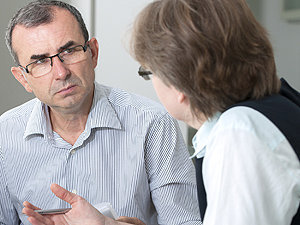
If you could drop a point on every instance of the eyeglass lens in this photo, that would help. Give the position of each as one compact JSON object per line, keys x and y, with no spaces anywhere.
{"x":68,"y":57}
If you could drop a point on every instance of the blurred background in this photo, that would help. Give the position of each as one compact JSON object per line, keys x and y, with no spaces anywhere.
{"x":110,"y":22}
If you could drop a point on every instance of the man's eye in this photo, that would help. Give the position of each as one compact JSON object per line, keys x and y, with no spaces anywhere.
{"x":69,"y":51}
{"x":41,"y":61}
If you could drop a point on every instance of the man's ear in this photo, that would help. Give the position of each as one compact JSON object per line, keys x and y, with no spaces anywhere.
{"x":20,"y":76}
{"x":94,"y":46}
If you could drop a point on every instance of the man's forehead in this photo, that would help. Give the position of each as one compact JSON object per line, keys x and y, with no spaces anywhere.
{"x":61,"y":21}
{"x":46,"y":38}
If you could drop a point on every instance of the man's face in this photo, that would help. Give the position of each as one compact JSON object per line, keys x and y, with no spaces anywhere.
{"x":65,"y":87}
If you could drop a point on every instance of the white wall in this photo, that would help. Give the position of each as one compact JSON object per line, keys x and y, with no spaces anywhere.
{"x":116,"y":67}
{"x":285,"y":38}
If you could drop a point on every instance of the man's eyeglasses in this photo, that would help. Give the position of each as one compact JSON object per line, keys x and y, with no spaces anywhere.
{"x":144,"y":73}
{"x":68,"y":56}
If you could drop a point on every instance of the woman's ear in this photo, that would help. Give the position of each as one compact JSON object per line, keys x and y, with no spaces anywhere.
{"x":180,"y":97}
{"x":20,"y":76}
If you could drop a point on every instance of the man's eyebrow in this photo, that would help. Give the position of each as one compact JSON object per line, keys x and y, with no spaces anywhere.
{"x":65,"y":46}
{"x":39,"y":56}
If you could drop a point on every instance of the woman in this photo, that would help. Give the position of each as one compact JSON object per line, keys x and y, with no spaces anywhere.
{"x":213,"y":68}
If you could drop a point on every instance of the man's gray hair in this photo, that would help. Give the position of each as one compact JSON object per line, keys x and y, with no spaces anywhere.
{"x":37,"y":13}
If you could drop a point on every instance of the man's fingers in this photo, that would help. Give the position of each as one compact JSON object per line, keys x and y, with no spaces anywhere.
{"x":64,"y":194}
{"x":131,"y":220}
{"x":35,"y":218}
{"x":29,"y":205}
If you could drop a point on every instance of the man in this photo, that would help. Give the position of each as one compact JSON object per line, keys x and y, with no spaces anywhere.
{"x":101,"y":143}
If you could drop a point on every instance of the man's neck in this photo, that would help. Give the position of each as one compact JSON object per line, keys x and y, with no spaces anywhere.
{"x":69,"y":125}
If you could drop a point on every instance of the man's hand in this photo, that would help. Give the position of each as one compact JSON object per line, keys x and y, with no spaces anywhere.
{"x":82,"y":212}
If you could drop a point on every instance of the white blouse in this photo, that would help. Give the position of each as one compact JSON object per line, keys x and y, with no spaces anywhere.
{"x":250,"y":171}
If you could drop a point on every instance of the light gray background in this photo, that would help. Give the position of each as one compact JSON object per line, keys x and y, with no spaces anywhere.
{"x":11,"y":92}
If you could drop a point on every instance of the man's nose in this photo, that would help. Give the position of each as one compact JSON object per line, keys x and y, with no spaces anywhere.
{"x":59,"y":69}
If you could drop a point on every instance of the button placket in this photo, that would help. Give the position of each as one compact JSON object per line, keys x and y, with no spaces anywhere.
{"x":73,"y":152}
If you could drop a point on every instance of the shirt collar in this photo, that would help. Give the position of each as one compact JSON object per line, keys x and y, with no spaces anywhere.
{"x":201,"y":138}
{"x":102,"y":114}
{"x":38,"y":122}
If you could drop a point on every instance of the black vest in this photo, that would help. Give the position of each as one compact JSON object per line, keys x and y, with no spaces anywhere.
{"x":284,"y":111}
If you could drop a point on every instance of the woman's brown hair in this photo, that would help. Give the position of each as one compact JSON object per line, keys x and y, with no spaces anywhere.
{"x":214,"y":51}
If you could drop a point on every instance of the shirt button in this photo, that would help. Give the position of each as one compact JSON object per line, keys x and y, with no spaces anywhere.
{"x":73,"y":152}
{"x":74,"y":192}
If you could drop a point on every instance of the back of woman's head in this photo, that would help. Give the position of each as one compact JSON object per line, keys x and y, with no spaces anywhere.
{"x":213,"y":51}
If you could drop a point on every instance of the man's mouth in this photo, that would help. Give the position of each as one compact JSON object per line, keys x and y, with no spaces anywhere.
{"x":66,"y":90}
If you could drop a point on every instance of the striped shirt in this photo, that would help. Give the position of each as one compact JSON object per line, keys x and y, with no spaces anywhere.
{"x":130,"y":154}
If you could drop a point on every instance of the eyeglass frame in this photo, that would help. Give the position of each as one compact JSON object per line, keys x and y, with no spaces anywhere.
{"x":25,"y":69}
{"x":144,"y":73}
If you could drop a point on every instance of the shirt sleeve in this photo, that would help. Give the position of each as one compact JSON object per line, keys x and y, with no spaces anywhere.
{"x":247,"y":181}
{"x":8,"y":213}
{"x":171,"y":174}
